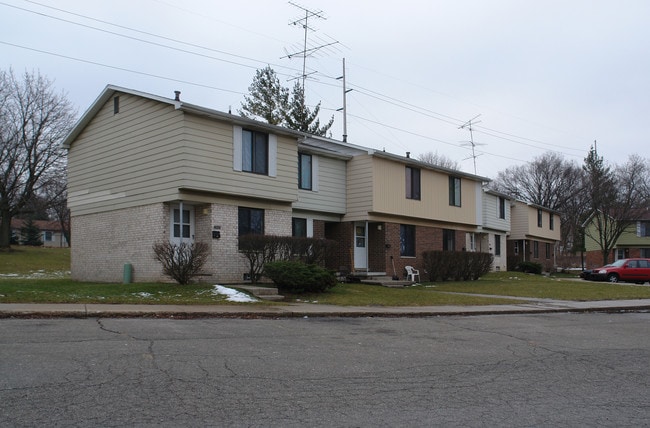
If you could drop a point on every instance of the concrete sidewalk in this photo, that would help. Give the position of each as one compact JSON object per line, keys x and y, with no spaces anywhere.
{"x":289,"y":310}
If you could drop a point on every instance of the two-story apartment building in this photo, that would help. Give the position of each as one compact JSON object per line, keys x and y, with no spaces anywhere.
{"x":144,"y":168}
{"x":534,"y":235}
{"x":633,"y":242}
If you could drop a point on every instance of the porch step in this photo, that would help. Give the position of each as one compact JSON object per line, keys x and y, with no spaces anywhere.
{"x":264,"y":293}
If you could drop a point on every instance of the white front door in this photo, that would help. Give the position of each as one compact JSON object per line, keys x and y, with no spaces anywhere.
{"x":360,"y":245}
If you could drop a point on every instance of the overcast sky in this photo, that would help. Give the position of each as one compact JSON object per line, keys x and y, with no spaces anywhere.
{"x":543,"y":75}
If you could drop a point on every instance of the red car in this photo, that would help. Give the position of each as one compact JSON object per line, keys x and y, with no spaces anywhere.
{"x":628,"y":270}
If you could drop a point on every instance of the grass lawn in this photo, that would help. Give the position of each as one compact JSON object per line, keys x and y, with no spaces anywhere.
{"x":41,"y":275}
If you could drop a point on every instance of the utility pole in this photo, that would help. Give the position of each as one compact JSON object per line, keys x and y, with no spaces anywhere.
{"x":344,"y":108}
{"x":471,"y":142}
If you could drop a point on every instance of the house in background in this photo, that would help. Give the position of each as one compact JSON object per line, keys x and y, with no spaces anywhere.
{"x":634,"y":242}
{"x":51,"y":232}
{"x":495,"y":228}
{"x":534,"y":235}
{"x":144,"y":169}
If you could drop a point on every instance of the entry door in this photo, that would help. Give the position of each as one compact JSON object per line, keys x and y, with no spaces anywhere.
{"x":360,"y":245}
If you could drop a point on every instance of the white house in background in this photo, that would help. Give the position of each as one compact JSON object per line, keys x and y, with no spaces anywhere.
{"x":495,"y":228}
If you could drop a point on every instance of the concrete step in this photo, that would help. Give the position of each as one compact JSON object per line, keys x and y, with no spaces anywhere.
{"x":387,"y":281}
{"x":264,"y":293}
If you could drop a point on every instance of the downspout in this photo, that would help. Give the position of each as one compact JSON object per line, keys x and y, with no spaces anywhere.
{"x":367,"y":248}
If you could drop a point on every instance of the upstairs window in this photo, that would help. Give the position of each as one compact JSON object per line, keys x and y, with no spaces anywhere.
{"x":412,"y":183}
{"x":255,"y":152}
{"x":643,"y":229}
{"x":116,"y":105}
{"x":539,"y":217}
{"x":454,"y":191}
{"x":502,"y":207}
{"x":551,"y":223}
{"x":304,"y":171}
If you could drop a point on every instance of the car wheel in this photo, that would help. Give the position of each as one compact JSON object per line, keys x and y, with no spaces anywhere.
{"x":612,"y":277}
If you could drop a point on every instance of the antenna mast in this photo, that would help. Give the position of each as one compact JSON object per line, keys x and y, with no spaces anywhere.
{"x":471,"y":142}
{"x":304,"y":22}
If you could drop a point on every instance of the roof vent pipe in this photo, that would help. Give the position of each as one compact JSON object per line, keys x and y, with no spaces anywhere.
{"x":408,"y":154}
{"x":177,"y":95}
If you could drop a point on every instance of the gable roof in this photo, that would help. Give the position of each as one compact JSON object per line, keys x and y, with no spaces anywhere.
{"x":51,"y":225}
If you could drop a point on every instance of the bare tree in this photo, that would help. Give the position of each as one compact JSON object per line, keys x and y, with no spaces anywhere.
{"x":553,"y":182}
{"x":33,"y":121}
{"x":433,"y":158}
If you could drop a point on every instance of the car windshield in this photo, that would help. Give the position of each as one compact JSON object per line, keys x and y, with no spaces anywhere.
{"x":618,"y":263}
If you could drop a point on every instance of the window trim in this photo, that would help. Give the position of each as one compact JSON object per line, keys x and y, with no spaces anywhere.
{"x":540,"y":221}
{"x":237,"y":158}
{"x":501,"y":207}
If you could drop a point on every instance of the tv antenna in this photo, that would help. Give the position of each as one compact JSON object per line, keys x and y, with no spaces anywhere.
{"x":306,"y":49}
{"x":471,"y":142}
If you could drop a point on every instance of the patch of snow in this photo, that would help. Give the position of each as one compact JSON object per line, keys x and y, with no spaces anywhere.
{"x":143,"y":294}
{"x":233,"y":295}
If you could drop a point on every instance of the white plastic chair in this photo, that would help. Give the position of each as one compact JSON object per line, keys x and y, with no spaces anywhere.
{"x":412,"y":273}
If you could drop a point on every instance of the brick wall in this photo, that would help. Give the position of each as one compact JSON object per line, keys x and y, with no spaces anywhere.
{"x":104,"y":242}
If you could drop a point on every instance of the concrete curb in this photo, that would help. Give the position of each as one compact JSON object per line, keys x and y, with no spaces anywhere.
{"x":307,"y":310}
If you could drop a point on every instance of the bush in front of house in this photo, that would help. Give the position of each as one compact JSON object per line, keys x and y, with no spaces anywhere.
{"x":183,"y":261}
{"x":529,"y":267}
{"x":455,"y":265}
{"x":298,"y":277}
{"x":260,"y":250}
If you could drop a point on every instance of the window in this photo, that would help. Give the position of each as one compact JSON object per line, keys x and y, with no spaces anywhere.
{"x":620,"y":253}
{"x":116,"y":105}
{"x":412,"y":183}
{"x":551,"y":223}
{"x":539,"y":217}
{"x":516,"y":248}
{"x":645,"y":253}
{"x":182,"y":223}
{"x":502,"y":207}
{"x":304,"y":171}
{"x":448,"y":240}
{"x":643,"y":228}
{"x":497,"y":245}
{"x":255,"y":150}
{"x":454,"y":191}
{"x":407,"y":240}
{"x":536,"y":249}
{"x":251,"y":221}
{"x":299,"y":227}
{"x":548,"y":250}
{"x":47,"y":236}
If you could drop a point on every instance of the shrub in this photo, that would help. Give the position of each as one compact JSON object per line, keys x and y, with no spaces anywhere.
{"x":181,"y":261}
{"x":297,"y":277}
{"x":260,"y":250}
{"x":456,"y":265}
{"x":529,"y":267}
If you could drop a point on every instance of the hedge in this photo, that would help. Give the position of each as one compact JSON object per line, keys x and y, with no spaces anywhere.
{"x":455,"y":265}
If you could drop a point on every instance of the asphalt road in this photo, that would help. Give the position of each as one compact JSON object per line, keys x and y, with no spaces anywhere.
{"x":506,"y":370}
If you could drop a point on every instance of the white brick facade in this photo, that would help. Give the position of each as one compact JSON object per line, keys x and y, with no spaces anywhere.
{"x":105,"y":242}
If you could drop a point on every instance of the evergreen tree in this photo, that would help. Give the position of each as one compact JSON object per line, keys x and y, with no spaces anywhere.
{"x":31,"y":234}
{"x":267,"y":100}
{"x":299,"y":117}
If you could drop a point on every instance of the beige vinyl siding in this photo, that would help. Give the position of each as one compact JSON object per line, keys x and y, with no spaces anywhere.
{"x":125,"y":159}
{"x":359,"y":188}
{"x":209,"y":164}
{"x":524,"y":223}
{"x":390,"y":195}
{"x":149,"y":150}
{"x":330,"y":195}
